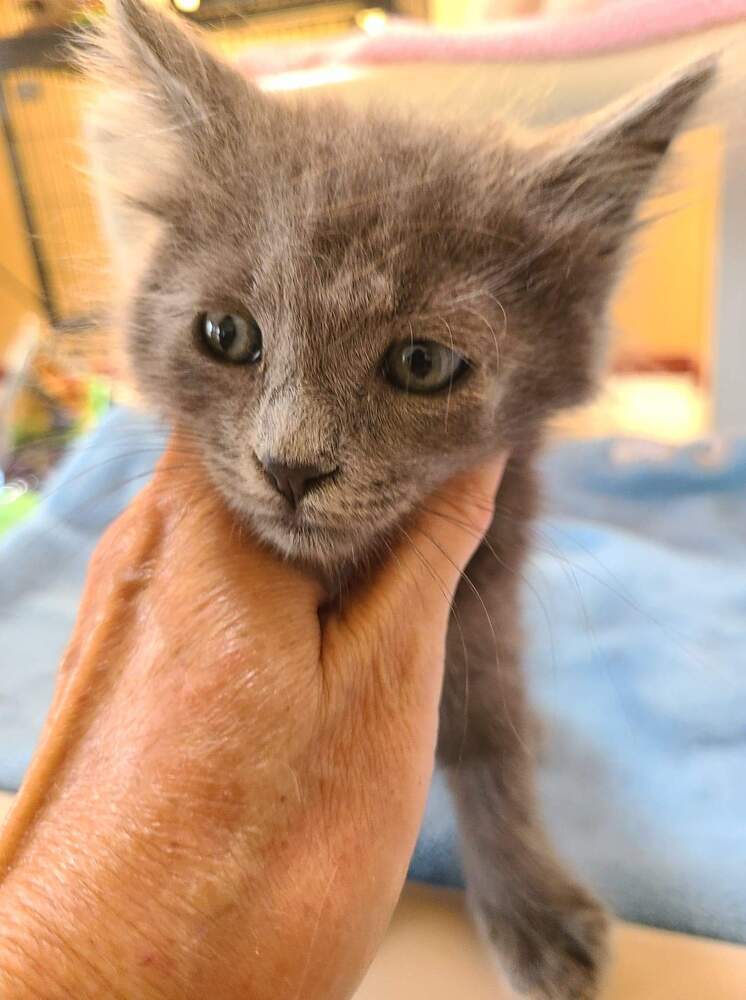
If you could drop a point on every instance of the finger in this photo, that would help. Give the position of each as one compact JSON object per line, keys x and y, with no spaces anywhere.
{"x":447,"y":532}
{"x":424,"y":569}
{"x":185,"y":482}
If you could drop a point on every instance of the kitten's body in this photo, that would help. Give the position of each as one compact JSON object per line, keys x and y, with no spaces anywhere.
{"x":342,"y":234}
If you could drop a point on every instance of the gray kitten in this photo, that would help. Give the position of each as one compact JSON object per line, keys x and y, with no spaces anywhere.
{"x":345,"y":309}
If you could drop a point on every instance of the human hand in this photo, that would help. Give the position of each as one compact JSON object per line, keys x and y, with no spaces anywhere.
{"x":232,"y":776}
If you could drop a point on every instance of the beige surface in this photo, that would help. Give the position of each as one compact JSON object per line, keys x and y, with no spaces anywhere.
{"x":432,"y":953}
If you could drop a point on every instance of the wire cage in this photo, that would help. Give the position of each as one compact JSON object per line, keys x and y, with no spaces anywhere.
{"x":40,"y":112}
{"x":41,"y":106}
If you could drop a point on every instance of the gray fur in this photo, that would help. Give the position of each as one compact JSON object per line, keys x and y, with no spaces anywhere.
{"x":342,"y":233}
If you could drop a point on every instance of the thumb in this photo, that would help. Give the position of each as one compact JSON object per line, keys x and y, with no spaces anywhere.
{"x":424,"y":569}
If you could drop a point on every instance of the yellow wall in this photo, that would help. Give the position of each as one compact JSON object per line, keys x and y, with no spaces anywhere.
{"x":664,"y":306}
{"x":18,"y":286}
{"x":45,"y":109}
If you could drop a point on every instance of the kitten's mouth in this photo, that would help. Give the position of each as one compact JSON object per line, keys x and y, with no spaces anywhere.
{"x":297,"y":523}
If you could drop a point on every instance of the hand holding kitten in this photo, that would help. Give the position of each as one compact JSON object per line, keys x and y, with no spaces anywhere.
{"x":231,"y":779}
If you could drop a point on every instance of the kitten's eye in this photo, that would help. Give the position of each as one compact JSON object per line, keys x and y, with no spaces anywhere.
{"x":422,"y":366}
{"x":231,"y":337}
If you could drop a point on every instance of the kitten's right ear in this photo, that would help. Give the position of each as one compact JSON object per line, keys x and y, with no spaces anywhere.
{"x":168,"y":107}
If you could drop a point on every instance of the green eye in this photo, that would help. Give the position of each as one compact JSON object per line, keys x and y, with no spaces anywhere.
{"x":422,"y":366}
{"x":231,"y":337}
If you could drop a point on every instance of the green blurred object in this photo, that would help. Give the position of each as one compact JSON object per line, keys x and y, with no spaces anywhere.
{"x":15,"y":505}
{"x":99,"y":399}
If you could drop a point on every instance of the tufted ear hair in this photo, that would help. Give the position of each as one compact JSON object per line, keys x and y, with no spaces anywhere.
{"x":591,"y":186}
{"x":167,"y":104}
{"x":579,"y":199}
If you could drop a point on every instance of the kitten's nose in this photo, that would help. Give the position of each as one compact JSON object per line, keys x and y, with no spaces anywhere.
{"x":295,"y":480}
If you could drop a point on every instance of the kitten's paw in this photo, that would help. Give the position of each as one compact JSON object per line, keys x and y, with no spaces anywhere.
{"x":553,"y":945}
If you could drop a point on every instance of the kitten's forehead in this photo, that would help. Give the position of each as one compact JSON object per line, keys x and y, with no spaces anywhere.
{"x":358,"y":219}
{"x":379,"y":245}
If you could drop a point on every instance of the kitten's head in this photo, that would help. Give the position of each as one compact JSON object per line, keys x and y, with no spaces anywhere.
{"x":345,"y":309}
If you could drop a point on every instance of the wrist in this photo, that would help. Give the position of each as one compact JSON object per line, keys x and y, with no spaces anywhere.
{"x":86,"y":913}
{"x":42,"y":952}
{"x":90,"y":915}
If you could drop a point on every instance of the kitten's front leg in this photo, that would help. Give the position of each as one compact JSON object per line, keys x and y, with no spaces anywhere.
{"x":549,"y":932}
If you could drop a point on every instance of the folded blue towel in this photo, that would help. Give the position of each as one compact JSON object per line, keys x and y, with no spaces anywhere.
{"x":635,"y":603}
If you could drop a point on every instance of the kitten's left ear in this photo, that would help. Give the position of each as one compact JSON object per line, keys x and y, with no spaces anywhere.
{"x":581,"y":198}
{"x":592,"y":186}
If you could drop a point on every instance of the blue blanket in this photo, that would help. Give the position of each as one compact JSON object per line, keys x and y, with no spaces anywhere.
{"x":635,"y":603}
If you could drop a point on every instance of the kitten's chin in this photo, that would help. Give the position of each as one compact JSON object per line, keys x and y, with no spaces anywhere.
{"x":307,"y":538}
{"x":331,"y":550}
